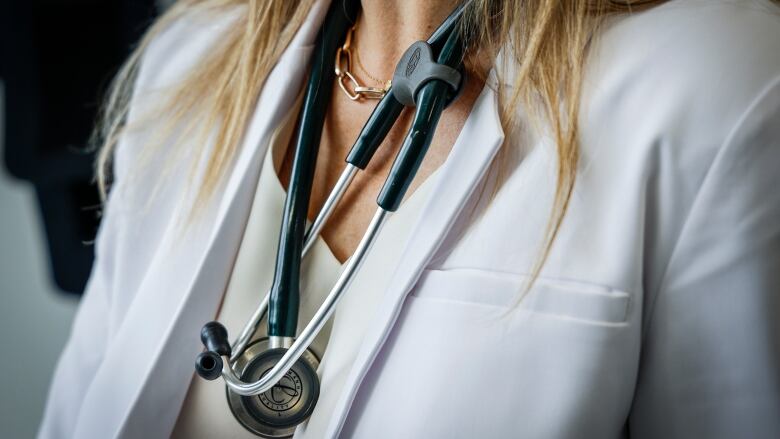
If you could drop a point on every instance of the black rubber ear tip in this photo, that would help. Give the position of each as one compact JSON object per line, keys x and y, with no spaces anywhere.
{"x":215,"y":337}
{"x":208,"y":365}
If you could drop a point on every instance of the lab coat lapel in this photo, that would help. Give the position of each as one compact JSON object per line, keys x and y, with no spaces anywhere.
{"x":472,"y":153}
{"x":179,"y":296}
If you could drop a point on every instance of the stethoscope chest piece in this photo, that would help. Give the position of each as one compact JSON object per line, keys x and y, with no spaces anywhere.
{"x":275,"y":413}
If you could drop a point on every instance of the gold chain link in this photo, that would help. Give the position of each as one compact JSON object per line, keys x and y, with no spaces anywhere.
{"x":347,"y":81}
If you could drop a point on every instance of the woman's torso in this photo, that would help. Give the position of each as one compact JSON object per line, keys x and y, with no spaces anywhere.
{"x":649,"y":315}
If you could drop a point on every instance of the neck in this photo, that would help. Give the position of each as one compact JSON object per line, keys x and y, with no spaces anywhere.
{"x":386,"y":28}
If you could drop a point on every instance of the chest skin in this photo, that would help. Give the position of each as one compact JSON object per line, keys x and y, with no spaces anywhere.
{"x":344,"y":120}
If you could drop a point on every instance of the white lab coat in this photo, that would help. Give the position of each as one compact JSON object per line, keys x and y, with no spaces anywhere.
{"x":656,"y":314}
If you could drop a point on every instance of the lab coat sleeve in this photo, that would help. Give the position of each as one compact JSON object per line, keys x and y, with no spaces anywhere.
{"x":87,"y":343}
{"x":91,"y":329}
{"x":167,"y":59}
{"x":710,"y":358}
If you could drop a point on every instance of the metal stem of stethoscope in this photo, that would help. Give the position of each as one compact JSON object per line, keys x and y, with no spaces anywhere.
{"x":311,"y":236}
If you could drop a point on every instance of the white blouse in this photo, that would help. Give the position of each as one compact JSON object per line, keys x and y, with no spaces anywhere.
{"x":205,"y":412}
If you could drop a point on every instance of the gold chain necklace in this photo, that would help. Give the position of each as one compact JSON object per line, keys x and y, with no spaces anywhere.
{"x":347,"y":81}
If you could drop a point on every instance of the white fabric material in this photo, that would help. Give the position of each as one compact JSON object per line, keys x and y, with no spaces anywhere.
{"x":655,"y":315}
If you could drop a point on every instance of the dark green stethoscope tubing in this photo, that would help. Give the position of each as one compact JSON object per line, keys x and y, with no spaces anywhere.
{"x":285,"y":291}
{"x":431,"y":100}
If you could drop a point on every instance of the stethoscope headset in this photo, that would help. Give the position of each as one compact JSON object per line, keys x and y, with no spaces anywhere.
{"x":272,"y":384}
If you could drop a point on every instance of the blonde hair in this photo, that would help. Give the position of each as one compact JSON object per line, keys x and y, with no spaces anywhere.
{"x":546,"y":40}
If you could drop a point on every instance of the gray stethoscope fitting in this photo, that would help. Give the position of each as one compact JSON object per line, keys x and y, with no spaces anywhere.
{"x":272,"y":384}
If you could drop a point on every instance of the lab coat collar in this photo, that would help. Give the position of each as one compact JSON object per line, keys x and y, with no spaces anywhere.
{"x":480,"y":139}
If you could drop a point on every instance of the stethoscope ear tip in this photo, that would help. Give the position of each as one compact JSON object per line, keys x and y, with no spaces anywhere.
{"x":215,"y":337}
{"x":208,"y":365}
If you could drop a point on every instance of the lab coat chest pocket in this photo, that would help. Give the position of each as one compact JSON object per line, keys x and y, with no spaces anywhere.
{"x":576,"y":301}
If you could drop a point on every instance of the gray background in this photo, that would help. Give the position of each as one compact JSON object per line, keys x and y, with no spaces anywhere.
{"x":34,"y":317}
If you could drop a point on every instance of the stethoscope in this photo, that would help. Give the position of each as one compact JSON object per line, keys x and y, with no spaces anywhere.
{"x":272,"y":383}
